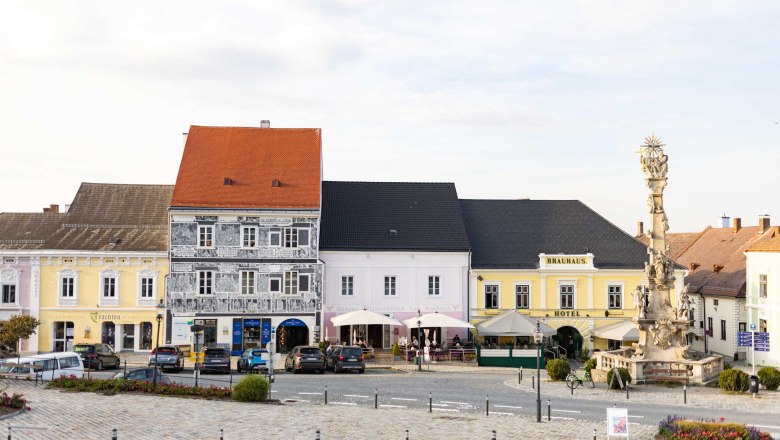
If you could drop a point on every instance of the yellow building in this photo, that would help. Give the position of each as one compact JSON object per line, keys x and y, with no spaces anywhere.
{"x":103,"y":269}
{"x":554,"y":260}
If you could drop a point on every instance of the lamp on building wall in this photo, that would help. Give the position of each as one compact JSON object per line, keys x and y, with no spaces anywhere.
{"x":160,"y":311}
{"x":538,"y":336}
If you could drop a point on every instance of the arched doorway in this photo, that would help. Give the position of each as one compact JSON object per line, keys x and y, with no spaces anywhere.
{"x":291,"y":332}
{"x":570,"y":339}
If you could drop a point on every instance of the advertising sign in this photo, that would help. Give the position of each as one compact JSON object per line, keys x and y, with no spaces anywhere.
{"x":617,"y":422}
{"x":265,"y":334}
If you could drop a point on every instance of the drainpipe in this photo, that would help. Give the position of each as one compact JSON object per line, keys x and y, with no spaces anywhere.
{"x":704,"y":321}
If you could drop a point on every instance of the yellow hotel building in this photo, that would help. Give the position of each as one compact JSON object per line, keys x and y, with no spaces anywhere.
{"x":103,"y":266}
{"x":554,"y":260}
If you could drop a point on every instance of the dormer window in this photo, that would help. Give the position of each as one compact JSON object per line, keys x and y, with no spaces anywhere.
{"x":228,"y":181}
{"x":717,"y":268}
{"x":394,"y":233}
{"x":695,"y":266}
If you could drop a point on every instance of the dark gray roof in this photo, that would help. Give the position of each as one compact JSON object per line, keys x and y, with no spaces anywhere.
{"x":510,"y":234}
{"x":103,"y":216}
{"x":361,"y":215}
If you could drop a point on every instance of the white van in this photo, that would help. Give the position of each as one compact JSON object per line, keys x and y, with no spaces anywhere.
{"x":46,"y":366}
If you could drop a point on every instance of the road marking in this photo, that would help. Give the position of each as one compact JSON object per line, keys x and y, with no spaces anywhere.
{"x":455,"y":403}
{"x":637,"y":417}
{"x":446,"y":409}
{"x":764,"y":426}
{"x":501,"y":413}
{"x":394,"y":406}
{"x":274,"y":391}
{"x":312,"y":394}
{"x":355,"y":395}
{"x":507,"y":406}
{"x":343,"y":403}
{"x":567,"y":411}
{"x":402,"y":398}
{"x":439,"y":404}
{"x":562,"y":418}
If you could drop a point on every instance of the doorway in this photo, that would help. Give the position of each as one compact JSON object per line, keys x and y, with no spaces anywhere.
{"x":128,"y":336}
{"x":570,"y":339}
{"x":63,"y":336}
{"x":290,"y":333}
{"x":108,"y":334}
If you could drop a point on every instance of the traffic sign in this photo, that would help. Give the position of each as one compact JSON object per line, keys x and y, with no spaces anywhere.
{"x":752,"y":326}
{"x":762,"y":336}
{"x":744,"y":339}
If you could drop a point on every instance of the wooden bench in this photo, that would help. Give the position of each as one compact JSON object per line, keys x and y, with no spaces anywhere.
{"x":666,"y":374}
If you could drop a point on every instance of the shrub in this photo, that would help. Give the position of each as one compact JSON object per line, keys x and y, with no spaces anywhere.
{"x":624,"y":375}
{"x":733,"y":380}
{"x":727,"y":366}
{"x":323,"y":346}
{"x":674,"y":428}
{"x":590,"y":364}
{"x":16,"y":401}
{"x":769,"y":377}
{"x":584,"y":355}
{"x":396,"y":349}
{"x":114,"y":386}
{"x":558,"y":369}
{"x":253,"y":388}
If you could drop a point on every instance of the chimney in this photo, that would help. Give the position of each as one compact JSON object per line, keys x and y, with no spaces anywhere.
{"x":184,"y":136}
{"x":67,"y":208}
{"x":46,"y":209}
{"x":723,"y":222}
{"x":640,"y":229}
{"x":763,"y":223}
{"x":265,"y":123}
{"x":54,"y":208}
{"x":737,"y":224}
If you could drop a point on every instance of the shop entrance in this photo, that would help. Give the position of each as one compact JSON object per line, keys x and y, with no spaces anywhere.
{"x":128,"y":336}
{"x":290,"y":333}
{"x":209,"y":331}
{"x":63,"y":336}
{"x":108,"y":333}
{"x":570,"y":339}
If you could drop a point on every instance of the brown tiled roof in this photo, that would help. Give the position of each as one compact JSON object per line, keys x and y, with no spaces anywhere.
{"x":102,"y":217}
{"x":770,"y":245}
{"x":678,"y":242}
{"x":252,"y":158}
{"x":717,"y":260}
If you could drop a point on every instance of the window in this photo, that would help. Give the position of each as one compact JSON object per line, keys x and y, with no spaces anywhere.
{"x":522,"y":296}
{"x":147,"y":287}
{"x":390,"y":286}
{"x":615,"y":296}
{"x":146,"y":336}
{"x":304,"y":282}
{"x":715,"y":302}
{"x":567,"y":296}
{"x":491,"y":341}
{"x":762,"y":286}
{"x":291,"y":283}
{"x":762,"y":325}
{"x":248,"y":236}
{"x":247,"y":283}
{"x":109,"y":287}
{"x":347,"y":285}
{"x":66,"y":287}
{"x":722,"y":329}
{"x":9,"y":294}
{"x":434,"y":285}
{"x":205,"y":282}
{"x":290,"y":237}
{"x":276,"y":238}
{"x":276,"y":285}
{"x":69,"y":362}
{"x":743,"y":326}
{"x":206,"y":236}
{"x":709,"y":326}
{"x":491,"y":296}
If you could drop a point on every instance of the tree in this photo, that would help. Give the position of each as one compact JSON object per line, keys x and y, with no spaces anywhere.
{"x":16,"y":328}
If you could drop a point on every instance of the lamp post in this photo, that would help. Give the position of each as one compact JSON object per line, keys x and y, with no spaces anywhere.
{"x":419,"y":340}
{"x":160,"y":310}
{"x":538,"y":335}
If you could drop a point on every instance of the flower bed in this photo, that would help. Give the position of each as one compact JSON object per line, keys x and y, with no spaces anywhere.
{"x":12,"y":404}
{"x":123,"y":385}
{"x":674,"y":428}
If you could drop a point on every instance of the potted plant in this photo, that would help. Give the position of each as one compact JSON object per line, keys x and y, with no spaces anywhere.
{"x":396,"y":352}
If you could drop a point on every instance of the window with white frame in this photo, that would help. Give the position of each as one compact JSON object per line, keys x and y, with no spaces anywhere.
{"x":275,"y":238}
{"x":434,"y":285}
{"x":390,"y":286}
{"x":566,"y":295}
{"x":522,"y":296}
{"x":147,"y":287}
{"x":248,"y":236}
{"x":291,"y":237}
{"x":275,"y":285}
{"x":68,"y":288}
{"x":347,"y":285}
{"x":291,"y":283}
{"x":247,"y":282}
{"x":9,"y":294}
{"x":762,"y":285}
{"x":304,"y":282}
{"x":206,"y":236}
{"x":109,"y":287}
{"x":491,"y":296}
{"x":614,"y":296}
{"x":205,"y":282}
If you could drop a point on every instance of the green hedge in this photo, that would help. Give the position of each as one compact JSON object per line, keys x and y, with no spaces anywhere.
{"x":734,"y":380}
{"x":590,"y":364}
{"x":252,"y":388}
{"x":769,"y":377}
{"x":558,"y":369}
{"x":624,"y":375}
{"x":123,"y":385}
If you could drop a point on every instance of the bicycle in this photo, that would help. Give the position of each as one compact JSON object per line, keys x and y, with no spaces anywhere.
{"x":572,"y":381}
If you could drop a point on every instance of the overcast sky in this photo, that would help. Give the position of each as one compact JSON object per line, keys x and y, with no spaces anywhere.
{"x":541,"y":100}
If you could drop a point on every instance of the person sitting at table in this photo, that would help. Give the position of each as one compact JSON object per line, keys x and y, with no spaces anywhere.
{"x":456,"y":340}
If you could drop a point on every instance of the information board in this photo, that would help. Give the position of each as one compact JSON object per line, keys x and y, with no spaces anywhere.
{"x":617,"y":422}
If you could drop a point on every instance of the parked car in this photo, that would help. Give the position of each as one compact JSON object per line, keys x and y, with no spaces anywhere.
{"x":253,"y":360}
{"x":303,"y":358}
{"x":144,"y":375}
{"x":47,"y":366}
{"x":167,"y":356}
{"x":97,"y":356}
{"x":216,"y":359}
{"x":346,"y":358}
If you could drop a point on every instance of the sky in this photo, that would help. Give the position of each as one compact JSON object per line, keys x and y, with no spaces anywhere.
{"x":507,"y":99}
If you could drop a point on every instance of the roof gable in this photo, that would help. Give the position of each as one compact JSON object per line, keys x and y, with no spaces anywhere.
{"x":251,"y":159}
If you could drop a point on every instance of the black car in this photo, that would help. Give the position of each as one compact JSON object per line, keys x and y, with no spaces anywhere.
{"x":303,"y":358}
{"x":216,"y":359}
{"x":97,"y":356}
{"x":345,"y":358}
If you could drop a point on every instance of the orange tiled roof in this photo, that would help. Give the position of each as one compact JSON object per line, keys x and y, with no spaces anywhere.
{"x":771,"y":245}
{"x":252,"y":158}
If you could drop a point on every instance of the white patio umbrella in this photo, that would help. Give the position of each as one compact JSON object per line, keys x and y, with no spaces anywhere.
{"x":512,"y":323}
{"x":436,"y":320}
{"x":363,"y":317}
{"x":619,"y":331}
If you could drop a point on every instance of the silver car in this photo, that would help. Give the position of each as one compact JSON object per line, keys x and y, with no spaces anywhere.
{"x":167,"y":356}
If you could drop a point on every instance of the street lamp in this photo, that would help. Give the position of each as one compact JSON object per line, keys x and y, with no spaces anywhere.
{"x":538,"y":335}
{"x":160,"y":311}
{"x":419,"y":340}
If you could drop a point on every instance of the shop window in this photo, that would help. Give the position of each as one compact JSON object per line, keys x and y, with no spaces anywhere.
{"x":146,"y":336}
{"x":615,"y":296}
{"x":63,"y":336}
{"x":491,"y":296}
{"x":108,"y":333}
{"x":762,"y":325}
{"x":523,"y":296}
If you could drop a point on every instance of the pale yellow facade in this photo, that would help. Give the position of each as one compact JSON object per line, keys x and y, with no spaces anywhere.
{"x":101,"y":297}
{"x":560,"y":295}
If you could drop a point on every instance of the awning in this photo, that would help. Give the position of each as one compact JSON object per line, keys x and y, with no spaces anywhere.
{"x":512,"y":323}
{"x":361,"y":317}
{"x":619,"y":331}
{"x":436,"y":320}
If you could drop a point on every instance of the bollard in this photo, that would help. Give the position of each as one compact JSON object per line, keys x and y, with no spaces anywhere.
{"x":548,"y":410}
{"x":626,"y":390}
{"x":231,"y":379}
{"x":430,"y":402}
{"x":126,"y":367}
{"x":572,"y":388}
{"x":326,"y":394}
{"x":494,"y":434}
{"x":685,"y":394}
{"x":376,"y":398}
{"x":533,"y":380}
{"x":318,"y":435}
{"x":114,"y":434}
{"x":221,"y":434}
{"x":9,"y":433}
{"x":594,"y":433}
{"x":487,"y":405}
{"x":520,"y":376}
{"x":407,"y":434}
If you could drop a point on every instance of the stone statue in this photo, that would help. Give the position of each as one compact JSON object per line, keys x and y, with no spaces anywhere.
{"x":639,"y":301}
{"x":654,"y":161}
{"x":660,"y":267}
{"x":649,"y":271}
{"x":639,"y":350}
{"x":682,"y":350}
{"x":665,"y":222}
{"x":685,"y":305}
{"x":654,"y":205}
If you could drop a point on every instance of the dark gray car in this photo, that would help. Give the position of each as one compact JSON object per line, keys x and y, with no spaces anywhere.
{"x":216,"y":359}
{"x":303,"y":358}
{"x":343,"y":358}
{"x":167,"y":356}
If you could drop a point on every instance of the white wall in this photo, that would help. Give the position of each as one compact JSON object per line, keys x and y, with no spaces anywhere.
{"x":732,"y":310}
{"x":768,"y":308}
